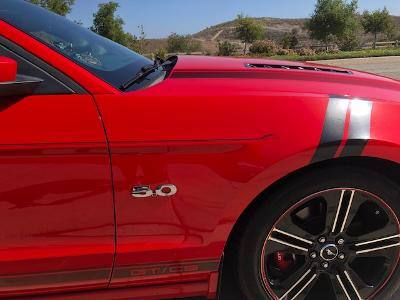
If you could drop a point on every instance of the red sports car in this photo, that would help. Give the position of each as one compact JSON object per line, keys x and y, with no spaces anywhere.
{"x":124,"y":178}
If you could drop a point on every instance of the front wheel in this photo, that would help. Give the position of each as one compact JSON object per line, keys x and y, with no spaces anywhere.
{"x":334,"y":234}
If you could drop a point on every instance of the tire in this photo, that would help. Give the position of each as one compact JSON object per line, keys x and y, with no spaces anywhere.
{"x":253,"y":266}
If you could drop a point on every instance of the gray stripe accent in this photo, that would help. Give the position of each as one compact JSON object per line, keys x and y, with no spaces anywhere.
{"x":332,"y":133}
{"x":359,"y":128}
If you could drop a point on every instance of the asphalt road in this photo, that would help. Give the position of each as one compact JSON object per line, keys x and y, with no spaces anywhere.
{"x":386,"y":66}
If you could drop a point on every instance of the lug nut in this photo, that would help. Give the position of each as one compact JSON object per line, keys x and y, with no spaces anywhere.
{"x":341,"y":256}
{"x":313,"y":255}
{"x":325,"y":265}
{"x":322,"y":239}
{"x":340,"y":241}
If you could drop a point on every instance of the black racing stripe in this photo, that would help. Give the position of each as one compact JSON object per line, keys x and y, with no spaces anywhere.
{"x":353,"y":148}
{"x":359,"y":128}
{"x":326,"y":151}
{"x":333,"y":130}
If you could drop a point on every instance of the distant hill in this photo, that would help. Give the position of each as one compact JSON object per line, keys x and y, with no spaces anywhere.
{"x":275,"y":29}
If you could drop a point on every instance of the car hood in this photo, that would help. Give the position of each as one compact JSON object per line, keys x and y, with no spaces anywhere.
{"x":314,"y":78}
{"x":191,"y":63}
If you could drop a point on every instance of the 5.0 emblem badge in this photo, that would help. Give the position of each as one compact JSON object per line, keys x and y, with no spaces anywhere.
{"x":144,"y":191}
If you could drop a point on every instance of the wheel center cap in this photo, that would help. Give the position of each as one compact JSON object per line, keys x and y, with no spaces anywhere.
{"x":329,"y":252}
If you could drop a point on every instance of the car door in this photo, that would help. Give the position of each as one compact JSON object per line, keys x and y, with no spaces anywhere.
{"x":56,"y":208}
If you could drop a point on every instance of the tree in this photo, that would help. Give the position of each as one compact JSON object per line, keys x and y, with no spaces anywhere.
{"x":332,"y":20}
{"x":61,"y":7}
{"x":137,"y":43}
{"x":248,"y":30}
{"x":290,"y":40}
{"x":378,"y":21}
{"x":226,"y":48}
{"x":108,"y":24}
{"x":176,"y":43}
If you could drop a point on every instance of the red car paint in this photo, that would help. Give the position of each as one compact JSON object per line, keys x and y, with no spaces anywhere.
{"x":220,"y":131}
{"x":8,"y":69}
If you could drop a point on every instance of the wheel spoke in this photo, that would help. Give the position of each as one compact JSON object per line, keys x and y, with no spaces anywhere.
{"x":343,"y":287}
{"x":300,"y":285}
{"x":377,"y":248}
{"x":293,"y":236}
{"x":290,"y":240}
{"x":338,"y":211}
{"x":352,"y":285}
{"x":347,"y":212}
{"x":343,"y":211}
{"x":305,"y":286}
{"x":288,"y":244}
{"x":378,"y":240}
{"x":378,"y":244}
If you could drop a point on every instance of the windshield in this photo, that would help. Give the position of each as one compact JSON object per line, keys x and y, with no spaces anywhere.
{"x":108,"y":60}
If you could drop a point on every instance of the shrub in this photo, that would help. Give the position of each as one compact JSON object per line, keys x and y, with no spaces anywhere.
{"x":160,"y":53}
{"x":226,"y":48}
{"x":290,"y":40}
{"x":177,"y":43}
{"x":305,"y":52}
{"x":349,"y":42}
{"x":332,"y":51}
{"x":193,"y":45}
{"x":266,"y":47}
{"x":286,"y":52}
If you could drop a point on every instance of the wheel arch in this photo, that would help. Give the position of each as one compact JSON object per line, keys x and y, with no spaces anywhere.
{"x":389,"y":168}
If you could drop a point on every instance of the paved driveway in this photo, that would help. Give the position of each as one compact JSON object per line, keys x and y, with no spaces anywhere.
{"x":386,"y":66}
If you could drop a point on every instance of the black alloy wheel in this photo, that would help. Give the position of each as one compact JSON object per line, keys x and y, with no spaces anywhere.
{"x":341,"y":243}
{"x":338,"y":239}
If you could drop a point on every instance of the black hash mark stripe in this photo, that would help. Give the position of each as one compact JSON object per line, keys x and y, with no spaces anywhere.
{"x":333,"y":130}
{"x":359,"y":131}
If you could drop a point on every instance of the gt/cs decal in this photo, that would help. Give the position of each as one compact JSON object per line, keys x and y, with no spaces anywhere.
{"x":163,"y":270}
{"x":144,"y":191}
{"x":175,"y":268}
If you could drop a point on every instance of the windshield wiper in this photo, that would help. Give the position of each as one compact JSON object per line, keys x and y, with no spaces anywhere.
{"x":145,"y":71}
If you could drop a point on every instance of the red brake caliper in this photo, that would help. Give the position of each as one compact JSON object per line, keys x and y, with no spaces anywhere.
{"x":284,"y":260}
